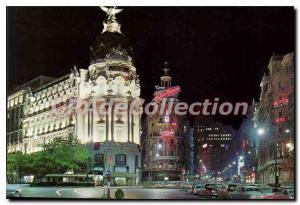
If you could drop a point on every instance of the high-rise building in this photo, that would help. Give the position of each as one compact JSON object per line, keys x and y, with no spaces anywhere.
{"x":213,"y":146}
{"x":165,"y":136}
{"x":112,"y":138}
{"x":275,"y":122}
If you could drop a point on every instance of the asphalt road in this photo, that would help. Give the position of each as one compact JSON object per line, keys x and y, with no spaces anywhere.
{"x":97,"y":192}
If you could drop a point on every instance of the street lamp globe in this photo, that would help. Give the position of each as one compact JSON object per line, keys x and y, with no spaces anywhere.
{"x":260,"y":131}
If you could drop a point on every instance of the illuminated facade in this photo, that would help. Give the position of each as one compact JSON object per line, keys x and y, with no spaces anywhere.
{"x":164,"y":136}
{"x":113,"y":139}
{"x":275,"y":116}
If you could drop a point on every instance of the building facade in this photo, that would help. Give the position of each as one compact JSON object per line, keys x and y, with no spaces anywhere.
{"x":15,"y":112}
{"x":112,"y":138}
{"x":213,"y":145}
{"x":248,"y":147}
{"x":275,"y":118}
{"x":165,"y":138}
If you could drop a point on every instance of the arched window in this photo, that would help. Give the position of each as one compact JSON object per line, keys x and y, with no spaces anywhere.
{"x":120,"y":159}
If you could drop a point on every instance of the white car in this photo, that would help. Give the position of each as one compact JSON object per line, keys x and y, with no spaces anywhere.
{"x":247,"y":192}
{"x":289,"y":192}
{"x":197,"y":189}
{"x":13,"y":190}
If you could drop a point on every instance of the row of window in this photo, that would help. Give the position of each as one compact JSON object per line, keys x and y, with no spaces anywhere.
{"x":120,"y":160}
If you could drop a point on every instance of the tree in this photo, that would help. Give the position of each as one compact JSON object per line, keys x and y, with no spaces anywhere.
{"x":57,"y":156}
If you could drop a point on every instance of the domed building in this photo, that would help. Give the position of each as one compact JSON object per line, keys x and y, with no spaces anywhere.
{"x":113,"y":137}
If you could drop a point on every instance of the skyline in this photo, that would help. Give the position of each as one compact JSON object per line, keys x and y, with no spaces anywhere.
{"x":54,"y":39}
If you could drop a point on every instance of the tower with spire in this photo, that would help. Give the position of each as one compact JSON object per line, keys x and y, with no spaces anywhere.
{"x":166,"y":79}
{"x":164,"y":140}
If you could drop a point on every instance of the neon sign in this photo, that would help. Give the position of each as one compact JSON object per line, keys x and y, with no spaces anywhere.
{"x":159,"y":95}
{"x":278,"y":103}
{"x":167,"y":132}
{"x":281,"y":119}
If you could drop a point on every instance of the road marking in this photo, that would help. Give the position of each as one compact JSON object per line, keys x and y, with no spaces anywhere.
{"x":58,"y":192}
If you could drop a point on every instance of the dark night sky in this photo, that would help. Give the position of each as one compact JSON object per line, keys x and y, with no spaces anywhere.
{"x":212,"y":51}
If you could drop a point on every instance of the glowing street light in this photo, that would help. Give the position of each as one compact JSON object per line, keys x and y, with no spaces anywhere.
{"x":260,"y":131}
{"x":287,"y":131}
{"x":159,"y":145}
{"x":289,"y":145}
{"x":233,"y":162}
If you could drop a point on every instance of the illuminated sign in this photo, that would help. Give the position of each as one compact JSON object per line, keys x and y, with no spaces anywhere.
{"x":282,"y":102}
{"x":281,"y":119}
{"x":167,"y":132}
{"x":157,"y":87}
{"x":159,"y":95}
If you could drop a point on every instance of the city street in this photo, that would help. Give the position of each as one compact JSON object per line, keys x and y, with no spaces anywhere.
{"x":97,"y":192}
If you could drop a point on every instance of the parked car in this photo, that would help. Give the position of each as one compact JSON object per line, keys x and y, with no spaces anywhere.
{"x":269,"y":192}
{"x":197,"y":188}
{"x":13,"y":190}
{"x":231,"y":187}
{"x":246,"y":192}
{"x":212,"y":190}
{"x":289,"y":192}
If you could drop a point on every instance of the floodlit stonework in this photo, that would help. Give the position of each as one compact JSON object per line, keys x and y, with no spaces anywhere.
{"x":111,"y":137}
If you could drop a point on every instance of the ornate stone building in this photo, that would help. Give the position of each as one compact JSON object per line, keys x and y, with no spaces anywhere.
{"x":112,"y":138}
{"x":276,"y":117}
{"x":15,"y":112}
{"x":164,"y":137}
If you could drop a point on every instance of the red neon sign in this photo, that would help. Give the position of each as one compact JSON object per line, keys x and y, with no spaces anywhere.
{"x":281,"y":119}
{"x":281,"y":102}
{"x":166,"y":93}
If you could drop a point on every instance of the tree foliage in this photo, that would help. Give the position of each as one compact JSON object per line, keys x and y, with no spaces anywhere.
{"x":58,"y":156}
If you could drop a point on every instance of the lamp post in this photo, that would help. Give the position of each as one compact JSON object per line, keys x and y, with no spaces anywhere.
{"x":261,"y":132}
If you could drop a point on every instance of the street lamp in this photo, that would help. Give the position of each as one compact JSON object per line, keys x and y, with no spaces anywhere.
{"x":233,"y":162}
{"x":260,"y":131}
{"x":287,"y":131}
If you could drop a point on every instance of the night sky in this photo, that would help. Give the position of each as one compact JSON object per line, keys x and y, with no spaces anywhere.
{"x":212,"y":51}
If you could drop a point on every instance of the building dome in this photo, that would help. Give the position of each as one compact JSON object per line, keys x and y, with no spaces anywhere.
{"x":111,"y":37}
{"x":107,"y":41}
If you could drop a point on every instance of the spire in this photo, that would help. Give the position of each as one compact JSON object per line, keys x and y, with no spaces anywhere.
{"x":111,"y":24}
{"x":166,"y":79}
{"x":166,"y":68}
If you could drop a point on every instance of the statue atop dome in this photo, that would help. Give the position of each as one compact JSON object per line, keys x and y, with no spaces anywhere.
{"x":111,"y":12}
{"x":111,"y":24}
